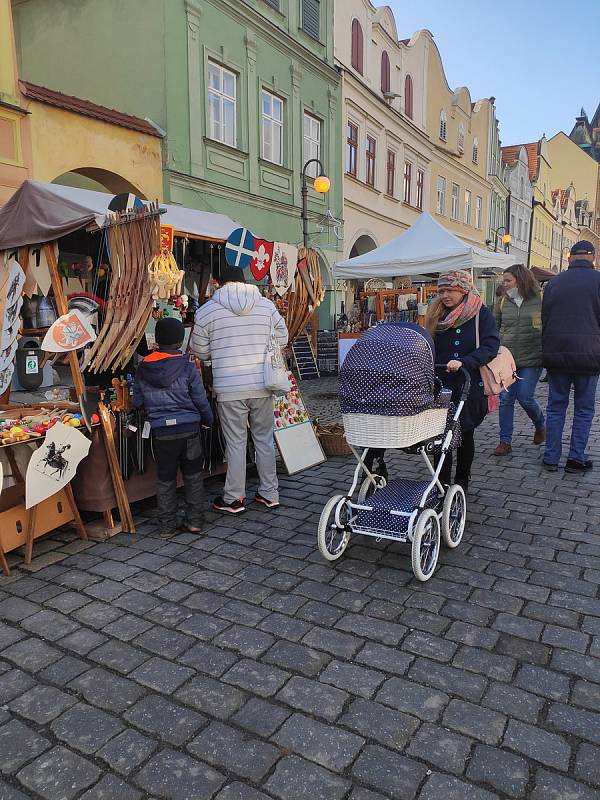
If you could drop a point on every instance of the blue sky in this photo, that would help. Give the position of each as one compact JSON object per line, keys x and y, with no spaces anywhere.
{"x":536,"y":57}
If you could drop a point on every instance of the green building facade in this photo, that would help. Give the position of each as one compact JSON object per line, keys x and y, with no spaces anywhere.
{"x":245,"y":90}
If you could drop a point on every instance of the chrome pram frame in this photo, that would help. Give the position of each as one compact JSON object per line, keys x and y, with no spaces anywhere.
{"x":424,"y":522}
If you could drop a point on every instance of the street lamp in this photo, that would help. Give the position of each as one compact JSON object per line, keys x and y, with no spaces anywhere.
{"x":321,"y":184}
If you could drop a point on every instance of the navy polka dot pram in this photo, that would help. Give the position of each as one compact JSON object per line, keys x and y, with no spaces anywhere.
{"x":390,"y":398}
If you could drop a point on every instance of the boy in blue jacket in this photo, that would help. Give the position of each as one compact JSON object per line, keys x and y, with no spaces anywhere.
{"x":171,"y":390}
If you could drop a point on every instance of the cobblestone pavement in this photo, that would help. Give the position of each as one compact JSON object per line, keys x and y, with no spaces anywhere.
{"x":239,"y":666}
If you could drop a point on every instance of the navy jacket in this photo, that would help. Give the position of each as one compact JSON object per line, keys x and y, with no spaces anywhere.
{"x":171,"y":390}
{"x":571,"y":321}
{"x":460,"y":344}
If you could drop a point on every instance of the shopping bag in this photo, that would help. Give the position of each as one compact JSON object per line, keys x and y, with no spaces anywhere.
{"x":275,"y":371}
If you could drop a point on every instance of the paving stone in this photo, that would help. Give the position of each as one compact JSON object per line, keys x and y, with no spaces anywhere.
{"x":126,"y":627}
{"x":18,"y":744}
{"x":119,"y":656}
{"x":64,"y":670}
{"x":240,"y":791}
{"x":31,"y":654}
{"x":175,"y":776}
{"x":202,"y":626}
{"x":524,"y":649}
{"x":136,"y":602}
{"x":86,"y":728}
{"x":171,"y":723}
{"x":440,"y":747}
{"x":247,"y":641}
{"x":467,"y":613}
{"x":389,"y":772}
{"x":296,"y":657}
{"x":385,"y":632}
{"x":326,"y":745}
{"x":208,"y":659}
{"x":97,"y":614}
{"x":313,"y":697}
{"x":445,"y":787}
{"x":13,"y":683}
{"x":58,"y":774}
{"x":223,"y":746}
{"x":476,"y":659}
{"x":406,"y":696}
{"x":545,"y":682}
{"x":588,"y":764}
{"x":322,"y":614}
{"x":14,"y":609}
{"x":211,"y":696}
{"x":565,"y":638}
{"x":161,"y":675}
{"x":9,"y":635}
{"x":448,"y":679}
{"x":548,"y":748}
{"x":513,"y":702}
{"x":388,"y":659}
{"x":126,"y":751}
{"x":549,"y":786}
{"x":583,"y":724}
{"x":586,"y":694}
{"x":518,"y":626}
{"x":261,"y":717}
{"x":505,"y":772}
{"x":337,"y":643}
{"x":472,"y":635}
{"x":473,"y":720}
{"x":10,"y":793}
{"x":375,"y":721}
{"x":352,"y":678}
{"x":423,"y":621}
{"x":111,"y":787}
{"x":42,"y":703}
{"x":261,"y":679}
{"x":107,"y":690}
{"x":297,"y":779}
{"x":82,"y":641}
{"x":584,"y":667}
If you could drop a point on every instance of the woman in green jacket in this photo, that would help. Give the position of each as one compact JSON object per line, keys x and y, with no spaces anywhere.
{"x":519,"y":318}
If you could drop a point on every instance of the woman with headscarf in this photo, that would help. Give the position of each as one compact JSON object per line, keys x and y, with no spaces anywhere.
{"x":453,"y":319}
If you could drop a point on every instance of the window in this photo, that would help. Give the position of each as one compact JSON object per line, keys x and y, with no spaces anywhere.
{"x":311,"y":17}
{"x":351,"y":149}
{"x":522,"y":188}
{"x":408,"y":97}
{"x":391,"y":173}
{"x":519,"y":229}
{"x":221,"y":104}
{"x":272,"y":128}
{"x":478,"y":212}
{"x":370,"y":151}
{"x":454,"y":210}
{"x":475,"y":157}
{"x":467,"y":207}
{"x":311,"y":144}
{"x":407,"y":181}
{"x":441,"y":195}
{"x":385,"y":72}
{"x":513,"y":225}
{"x":420,"y":185}
{"x":525,"y":231}
{"x":443,"y":125}
{"x":461,"y":138}
{"x":274,"y":3}
{"x":357,"y":46}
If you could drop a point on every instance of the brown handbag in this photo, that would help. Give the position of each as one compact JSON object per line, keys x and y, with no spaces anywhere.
{"x":499,"y":373}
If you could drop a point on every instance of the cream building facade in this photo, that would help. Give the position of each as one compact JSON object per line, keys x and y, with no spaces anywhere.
{"x":516,"y":173}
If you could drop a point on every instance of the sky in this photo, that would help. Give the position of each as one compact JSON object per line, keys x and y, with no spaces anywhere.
{"x":538,"y":58}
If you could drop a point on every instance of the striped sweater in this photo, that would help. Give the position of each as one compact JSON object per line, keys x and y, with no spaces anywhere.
{"x":231,"y":330}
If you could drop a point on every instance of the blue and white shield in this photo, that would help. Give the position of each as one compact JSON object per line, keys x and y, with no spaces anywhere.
{"x":239,"y":248}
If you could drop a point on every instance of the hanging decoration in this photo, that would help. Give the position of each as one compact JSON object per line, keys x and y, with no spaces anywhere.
{"x":239,"y":248}
{"x":283,"y":266}
{"x":54,"y":463}
{"x":12,"y":281}
{"x":263,"y":256}
{"x":72,"y":331}
{"x":38,"y":268}
{"x":166,"y":278}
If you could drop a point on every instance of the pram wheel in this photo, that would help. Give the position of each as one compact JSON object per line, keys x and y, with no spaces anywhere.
{"x":425,"y":545}
{"x":454,"y":516}
{"x":367,"y":487}
{"x":331,"y":537}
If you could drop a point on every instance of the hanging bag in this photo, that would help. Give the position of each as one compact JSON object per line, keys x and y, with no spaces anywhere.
{"x":275,"y":371}
{"x":498,"y":374}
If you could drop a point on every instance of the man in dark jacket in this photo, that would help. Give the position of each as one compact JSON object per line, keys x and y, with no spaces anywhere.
{"x":171,"y":390}
{"x":571,"y":355}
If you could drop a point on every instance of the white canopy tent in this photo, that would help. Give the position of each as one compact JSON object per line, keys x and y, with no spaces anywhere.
{"x":426,"y":247}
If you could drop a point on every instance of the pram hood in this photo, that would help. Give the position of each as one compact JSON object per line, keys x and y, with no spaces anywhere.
{"x":389,"y":371}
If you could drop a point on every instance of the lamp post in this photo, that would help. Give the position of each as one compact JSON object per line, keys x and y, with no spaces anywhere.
{"x":321,"y":184}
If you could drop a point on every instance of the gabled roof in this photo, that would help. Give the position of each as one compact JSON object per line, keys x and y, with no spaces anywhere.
{"x":532,"y":149}
{"x":87,"y":108}
{"x":510,"y":154}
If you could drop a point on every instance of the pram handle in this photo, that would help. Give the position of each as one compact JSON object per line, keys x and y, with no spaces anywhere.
{"x":466,"y":385}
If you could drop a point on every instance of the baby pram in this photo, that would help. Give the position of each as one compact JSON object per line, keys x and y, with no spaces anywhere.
{"x":390,"y":398}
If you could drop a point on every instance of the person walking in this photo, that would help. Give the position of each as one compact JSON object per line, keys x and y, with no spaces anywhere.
{"x":170,"y":388}
{"x":518,"y":314}
{"x":232,"y":330}
{"x":465,"y":335}
{"x":571,"y":355}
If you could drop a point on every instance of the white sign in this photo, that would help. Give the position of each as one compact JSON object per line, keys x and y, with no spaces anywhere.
{"x":54,"y":463}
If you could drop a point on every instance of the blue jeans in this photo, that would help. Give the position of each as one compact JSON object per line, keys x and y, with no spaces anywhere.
{"x":523,"y":390}
{"x":559,"y":388}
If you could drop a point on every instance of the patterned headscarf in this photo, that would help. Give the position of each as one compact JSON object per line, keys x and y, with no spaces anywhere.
{"x":470,"y":306}
{"x":458,"y":279}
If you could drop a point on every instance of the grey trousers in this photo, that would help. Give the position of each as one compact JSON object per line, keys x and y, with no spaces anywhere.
{"x":234,"y":416}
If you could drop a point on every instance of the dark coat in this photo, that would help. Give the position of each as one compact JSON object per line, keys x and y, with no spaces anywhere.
{"x":460,"y":344}
{"x":171,"y":390}
{"x":571,"y":321}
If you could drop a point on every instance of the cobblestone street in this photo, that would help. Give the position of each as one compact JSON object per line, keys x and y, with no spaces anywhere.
{"x":240,"y":666}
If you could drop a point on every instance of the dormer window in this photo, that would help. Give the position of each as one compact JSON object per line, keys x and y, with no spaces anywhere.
{"x":443,"y":125}
{"x":475,"y":157}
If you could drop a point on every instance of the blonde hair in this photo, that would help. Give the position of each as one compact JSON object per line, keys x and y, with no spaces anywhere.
{"x":434,"y":313}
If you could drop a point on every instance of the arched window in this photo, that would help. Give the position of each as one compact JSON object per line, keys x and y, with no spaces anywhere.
{"x":461,"y":138}
{"x":443,"y":125}
{"x":357,"y":46}
{"x":385,"y":72}
{"x":408,"y":97}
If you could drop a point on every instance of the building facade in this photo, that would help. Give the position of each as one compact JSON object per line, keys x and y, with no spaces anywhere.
{"x":586,"y":134}
{"x":498,"y":224}
{"x":520,"y":193}
{"x":246,"y":93}
{"x":574,"y":165}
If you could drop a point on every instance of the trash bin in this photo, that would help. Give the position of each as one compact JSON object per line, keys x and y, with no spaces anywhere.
{"x":29,"y":359}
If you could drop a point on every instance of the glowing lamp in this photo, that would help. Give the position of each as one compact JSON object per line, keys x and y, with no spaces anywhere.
{"x":322,"y":184}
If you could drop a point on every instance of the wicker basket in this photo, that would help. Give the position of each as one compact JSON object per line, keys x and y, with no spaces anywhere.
{"x":332,"y":438}
{"x":374,"y":430}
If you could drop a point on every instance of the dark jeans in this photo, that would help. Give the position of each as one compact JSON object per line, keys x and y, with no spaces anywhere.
{"x":584,"y":404}
{"x":179,"y":450}
{"x":464,"y":458}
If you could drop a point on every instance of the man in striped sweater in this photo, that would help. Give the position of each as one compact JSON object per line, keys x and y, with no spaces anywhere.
{"x":231,"y":330}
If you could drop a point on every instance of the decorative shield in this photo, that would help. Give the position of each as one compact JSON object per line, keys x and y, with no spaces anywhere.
{"x":239,"y":248}
{"x":283,"y":267}
{"x":54,"y":463}
{"x":263,"y":256}
{"x":70,"y":332}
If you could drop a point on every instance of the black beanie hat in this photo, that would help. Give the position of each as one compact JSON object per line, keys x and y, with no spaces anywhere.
{"x":231,"y":275}
{"x":169,"y":332}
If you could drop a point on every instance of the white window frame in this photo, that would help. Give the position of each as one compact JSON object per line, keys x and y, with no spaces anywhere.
{"x":468,"y":206}
{"x":475,"y":152}
{"x":443,"y":125}
{"x":455,"y":202}
{"x":478,"y":212}
{"x":270,"y":121}
{"x":441,"y":196}
{"x":223,"y":100}
{"x":311,"y":145}
{"x":407,"y":196}
{"x":460,"y":142}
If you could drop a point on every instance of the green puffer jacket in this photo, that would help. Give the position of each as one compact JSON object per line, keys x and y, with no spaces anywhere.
{"x":521,"y":329}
